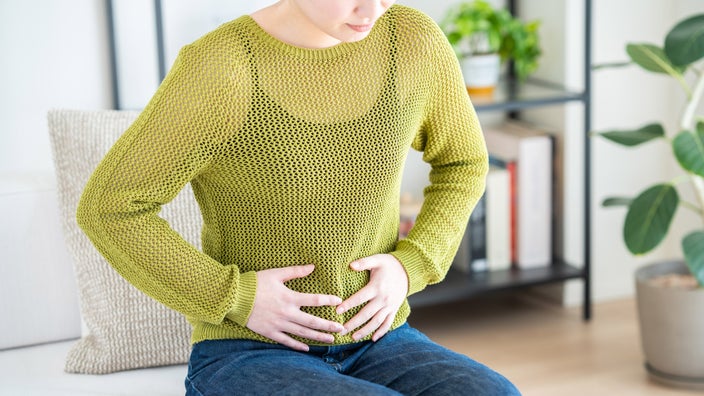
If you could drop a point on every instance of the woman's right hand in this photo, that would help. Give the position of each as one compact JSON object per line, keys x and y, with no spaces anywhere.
{"x":277,"y":310}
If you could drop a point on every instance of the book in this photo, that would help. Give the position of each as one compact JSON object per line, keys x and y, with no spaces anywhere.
{"x":471,"y":254}
{"x":498,"y":218}
{"x":476,"y":230}
{"x":462,"y":261}
{"x":528,"y":156}
{"x":486,"y":241}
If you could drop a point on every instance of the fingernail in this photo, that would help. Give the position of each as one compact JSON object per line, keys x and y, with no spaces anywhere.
{"x":343,"y":332}
{"x":356,"y":337}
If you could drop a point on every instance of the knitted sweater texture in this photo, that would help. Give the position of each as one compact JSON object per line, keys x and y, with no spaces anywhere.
{"x":295,"y":157}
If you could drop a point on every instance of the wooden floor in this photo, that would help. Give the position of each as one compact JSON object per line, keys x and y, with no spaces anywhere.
{"x":545,"y":349}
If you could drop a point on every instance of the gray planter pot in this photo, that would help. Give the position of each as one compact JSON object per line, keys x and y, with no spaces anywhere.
{"x":672,"y":328}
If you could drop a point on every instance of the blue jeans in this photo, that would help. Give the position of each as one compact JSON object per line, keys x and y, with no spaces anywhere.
{"x":403,"y":362}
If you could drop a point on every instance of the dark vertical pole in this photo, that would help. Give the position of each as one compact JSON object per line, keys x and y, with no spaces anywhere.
{"x":587,"y":159}
{"x":160,"y":49}
{"x":512,"y":8}
{"x":113,"y":55}
{"x":512,"y":85}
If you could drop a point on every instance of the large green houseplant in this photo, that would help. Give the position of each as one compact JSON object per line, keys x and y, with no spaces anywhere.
{"x":671,"y":319}
{"x":477,"y":29}
{"x":651,"y":212}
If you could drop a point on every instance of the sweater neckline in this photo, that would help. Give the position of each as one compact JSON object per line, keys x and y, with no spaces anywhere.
{"x":306,"y":53}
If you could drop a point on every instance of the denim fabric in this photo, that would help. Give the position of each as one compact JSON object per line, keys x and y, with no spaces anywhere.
{"x":403,"y":362}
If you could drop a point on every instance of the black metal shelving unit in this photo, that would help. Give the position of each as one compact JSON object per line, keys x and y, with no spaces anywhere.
{"x":512,"y":97}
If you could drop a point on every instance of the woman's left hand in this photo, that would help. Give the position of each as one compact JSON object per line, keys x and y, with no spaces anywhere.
{"x":383,"y":295}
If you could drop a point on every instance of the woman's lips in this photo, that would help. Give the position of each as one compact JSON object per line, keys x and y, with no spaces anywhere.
{"x":361,"y":28}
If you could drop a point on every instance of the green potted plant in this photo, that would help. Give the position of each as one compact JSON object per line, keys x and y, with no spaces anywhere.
{"x":485,"y":37}
{"x":671,"y":318}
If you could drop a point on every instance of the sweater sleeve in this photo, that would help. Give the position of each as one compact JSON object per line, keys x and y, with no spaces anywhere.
{"x":452,"y":143}
{"x":169,"y":144}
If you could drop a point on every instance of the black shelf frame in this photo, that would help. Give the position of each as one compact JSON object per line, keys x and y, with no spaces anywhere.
{"x":459,"y":285}
{"x":511,"y":97}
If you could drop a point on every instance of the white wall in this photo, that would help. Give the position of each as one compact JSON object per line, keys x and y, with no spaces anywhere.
{"x":54,"y":55}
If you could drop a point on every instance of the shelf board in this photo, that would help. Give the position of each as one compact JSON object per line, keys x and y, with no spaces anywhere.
{"x":510,"y":95}
{"x":458,"y":285}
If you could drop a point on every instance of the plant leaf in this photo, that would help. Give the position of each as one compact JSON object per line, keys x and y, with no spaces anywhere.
{"x":689,"y":150}
{"x":635,"y":137}
{"x":684,"y":44}
{"x":652,"y":58}
{"x":617,"y":201}
{"x":693,"y":247}
{"x":649,"y":217}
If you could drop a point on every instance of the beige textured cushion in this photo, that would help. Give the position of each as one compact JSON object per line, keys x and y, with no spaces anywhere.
{"x":126,"y":329}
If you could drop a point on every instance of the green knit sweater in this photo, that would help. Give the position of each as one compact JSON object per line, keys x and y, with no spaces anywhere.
{"x":295,"y":157}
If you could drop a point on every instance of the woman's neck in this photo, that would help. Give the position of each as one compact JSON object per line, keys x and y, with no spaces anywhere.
{"x":285,"y":22}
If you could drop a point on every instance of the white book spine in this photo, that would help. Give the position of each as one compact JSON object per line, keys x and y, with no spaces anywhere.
{"x":534,"y":202}
{"x":498,"y":219}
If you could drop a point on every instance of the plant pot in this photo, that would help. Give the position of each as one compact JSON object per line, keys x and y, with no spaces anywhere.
{"x":481,"y":73}
{"x":672,"y":327}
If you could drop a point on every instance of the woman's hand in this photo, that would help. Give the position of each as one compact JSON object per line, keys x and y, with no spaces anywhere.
{"x":277,"y":309}
{"x":384,"y":294}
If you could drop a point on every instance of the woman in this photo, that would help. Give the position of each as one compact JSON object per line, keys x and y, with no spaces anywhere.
{"x":292,"y":125}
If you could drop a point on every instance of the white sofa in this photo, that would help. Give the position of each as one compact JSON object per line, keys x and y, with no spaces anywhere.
{"x":38,"y":371}
{"x":39,"y":305}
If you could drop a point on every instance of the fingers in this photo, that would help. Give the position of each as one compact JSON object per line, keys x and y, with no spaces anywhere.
{"x":379,"y":324}
{"x":308,"y":333}
{"x":284,"y":336}
{"x":293,"y":272}
{"x":372,"y":315}
{"x":281,"y":327}
{"x":365,"y":294}
{"x":301,"y":299}
{"x":381,"y":298}
{"x":362,"y":296}
{"x":316,"y":300}
{"x":384,"y":328}
{"x":302,"y":325}
{"x":365,"y":263}
{"x":372,"y":325}
{"x":315,"y":323}
{"x":277,"y":313}
{"x":285,"y":339}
